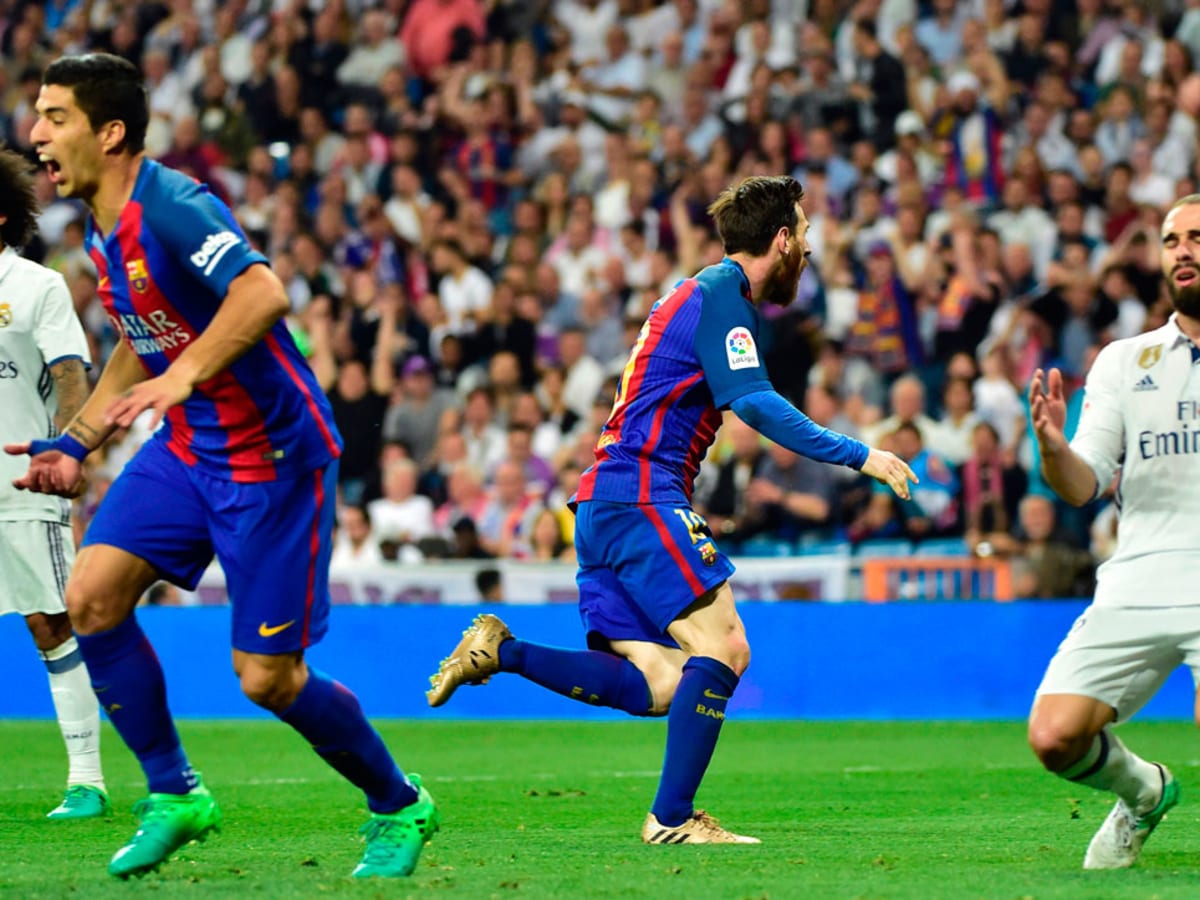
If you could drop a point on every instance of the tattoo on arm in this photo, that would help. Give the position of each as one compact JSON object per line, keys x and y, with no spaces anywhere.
{"x":84,"y":433}
{"x":71,"y":384}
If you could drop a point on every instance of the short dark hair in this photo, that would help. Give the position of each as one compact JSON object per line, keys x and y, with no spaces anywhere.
{"x":107,"y":88}
{"x":18,"y":202}
{"x":750,"y":213}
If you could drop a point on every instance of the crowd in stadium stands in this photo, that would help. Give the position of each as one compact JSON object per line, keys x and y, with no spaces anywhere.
{"x":473,"y":204}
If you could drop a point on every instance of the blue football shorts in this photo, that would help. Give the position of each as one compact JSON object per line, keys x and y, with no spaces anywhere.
{"x":640,"y":566}
{"x":272,"y":538}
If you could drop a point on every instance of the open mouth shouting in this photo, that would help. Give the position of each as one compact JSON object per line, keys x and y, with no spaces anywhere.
{"x":1186,"y":275}
{"x":52,"y":167}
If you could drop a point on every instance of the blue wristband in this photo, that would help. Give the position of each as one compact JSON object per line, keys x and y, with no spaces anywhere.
{"x":64,"y":443}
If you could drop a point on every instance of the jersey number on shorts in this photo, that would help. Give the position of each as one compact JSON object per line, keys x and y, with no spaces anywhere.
{"x":694,"y":522}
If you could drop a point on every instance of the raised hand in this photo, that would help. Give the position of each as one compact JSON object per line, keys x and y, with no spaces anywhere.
{"x":888,"y":468}
{"x":1048,"y":410}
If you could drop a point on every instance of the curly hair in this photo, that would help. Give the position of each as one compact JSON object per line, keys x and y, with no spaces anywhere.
{"x":18,"y":202}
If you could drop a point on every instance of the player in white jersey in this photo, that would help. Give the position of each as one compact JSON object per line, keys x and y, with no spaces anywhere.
{"x":1141,"y":415}
{"x":43,"y":383}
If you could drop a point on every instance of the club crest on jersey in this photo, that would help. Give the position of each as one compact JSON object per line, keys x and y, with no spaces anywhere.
{"x":6,"y":316}
{"x":139,"y":278}
{"x":740,"y":349}
{"x":1149,"y":356}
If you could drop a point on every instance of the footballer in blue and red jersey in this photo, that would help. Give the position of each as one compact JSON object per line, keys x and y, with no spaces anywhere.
{"x":644,"y":554}
{"x":246,"y":467}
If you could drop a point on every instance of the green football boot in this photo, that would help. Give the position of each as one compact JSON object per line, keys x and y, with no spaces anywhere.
{"x":81,"y":801}
{"x":394,"y":840}
{"x":168,"y":821}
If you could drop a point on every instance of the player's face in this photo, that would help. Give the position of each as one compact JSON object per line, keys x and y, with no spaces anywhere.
{"x":66,"y":144}
{"x":781,"y":286}
{"x":1181,"y":258}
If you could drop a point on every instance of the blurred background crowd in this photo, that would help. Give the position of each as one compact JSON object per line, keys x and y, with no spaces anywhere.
{"x":473,"y":204}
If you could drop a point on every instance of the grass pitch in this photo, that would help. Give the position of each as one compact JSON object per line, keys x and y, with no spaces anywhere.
{"x":553,"y":809}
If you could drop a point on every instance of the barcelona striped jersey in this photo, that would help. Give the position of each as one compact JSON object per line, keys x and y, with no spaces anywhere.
{"x":697,"y":352}
{"x":164,"y":271}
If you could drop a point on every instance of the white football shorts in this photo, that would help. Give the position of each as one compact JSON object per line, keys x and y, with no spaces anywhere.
{"x":1122,"y":655}
{"x":35,"y":559}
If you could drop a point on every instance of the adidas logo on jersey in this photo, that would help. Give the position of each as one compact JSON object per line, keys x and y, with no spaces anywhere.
{"x":1146,"y":384}
{"x":214,"y":247}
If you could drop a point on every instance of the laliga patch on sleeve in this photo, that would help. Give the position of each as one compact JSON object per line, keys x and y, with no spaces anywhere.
{"x":740,"y":349}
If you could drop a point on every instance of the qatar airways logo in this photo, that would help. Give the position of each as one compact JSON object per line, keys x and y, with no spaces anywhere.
{"x":214,"y":247}
{"x":156,"y":333}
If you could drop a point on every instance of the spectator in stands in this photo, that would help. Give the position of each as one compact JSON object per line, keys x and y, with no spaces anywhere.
{"x":1047,"y":565}
{"x":725,"y":504}
{"x":401,"y":514}
{"x":906,"y":399}
{"x":546,"y":541}
{"x":790,"y":496}
{"x":932,"y":511}
{"x":992,"y":488}
{"x":509,"y":513}
{"x":372,"y":54}
{"x":355,"y":545}
{"x":485,"y":440}
{"x":414,"y":420}
{"x":465,"y":498}
{"x":953,"y":438}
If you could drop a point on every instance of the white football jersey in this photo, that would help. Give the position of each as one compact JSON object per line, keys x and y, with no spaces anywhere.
{"x":38,"y":327}
{"x":1141,"y":413}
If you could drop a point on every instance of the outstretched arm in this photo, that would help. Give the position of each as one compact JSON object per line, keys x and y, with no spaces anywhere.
{"x":771,"y":415}
{"x":56,"y":466}
{"x":254,"y":302}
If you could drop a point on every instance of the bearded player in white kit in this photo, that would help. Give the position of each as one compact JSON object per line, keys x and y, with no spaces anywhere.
{"x":1142,"y":415}
{"x":43,"y":383}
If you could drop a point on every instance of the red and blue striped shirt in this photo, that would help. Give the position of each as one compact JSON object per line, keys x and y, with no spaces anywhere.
{"x":164,"y":271}
{"x":697,"y":353}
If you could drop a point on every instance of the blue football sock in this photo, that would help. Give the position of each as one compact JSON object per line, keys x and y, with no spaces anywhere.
{"x":128,"y":681}
{"x":693,"y":726}
{"x":329,"y":717}
{"x":590,"y":676}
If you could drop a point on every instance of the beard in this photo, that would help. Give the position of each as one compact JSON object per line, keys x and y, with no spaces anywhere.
{"x":1186,"y":300}
{"x":784,"y":280}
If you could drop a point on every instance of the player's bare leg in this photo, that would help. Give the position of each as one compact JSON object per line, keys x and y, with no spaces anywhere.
{"x":404,"y":817}
{"x":78,"y":716}
{"x":1070,"y":735}
{"x":102,"y":592}
{"x":711,"y":633}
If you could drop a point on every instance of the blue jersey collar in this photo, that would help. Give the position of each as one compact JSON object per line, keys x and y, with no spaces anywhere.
{"x":737,"y":267}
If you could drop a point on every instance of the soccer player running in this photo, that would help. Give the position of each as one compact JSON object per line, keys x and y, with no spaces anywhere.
{"x":43,"y":383}
{"x":1142,"y":416}
{"x":654,"y":596}
{"x":244,"y":467}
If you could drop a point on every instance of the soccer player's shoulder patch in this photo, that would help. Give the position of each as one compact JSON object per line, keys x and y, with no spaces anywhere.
{"x":740,"y":349}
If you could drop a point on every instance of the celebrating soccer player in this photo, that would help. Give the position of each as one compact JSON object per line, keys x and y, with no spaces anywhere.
{"x":1141,"y":416}
{"x":244,"y":467}
{"x":654,"y":596}
{"x":43,"y":383}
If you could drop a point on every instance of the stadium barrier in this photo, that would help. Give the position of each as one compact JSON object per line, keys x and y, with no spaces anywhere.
{"x":935,"y":660}
{"x":937,"y":578}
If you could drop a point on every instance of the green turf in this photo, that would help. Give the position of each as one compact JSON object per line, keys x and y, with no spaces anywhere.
{"x":921,"y":810}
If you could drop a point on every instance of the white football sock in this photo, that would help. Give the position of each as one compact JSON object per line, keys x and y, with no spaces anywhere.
{"x":78,"y":712}
{"x":1111,"y":766}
